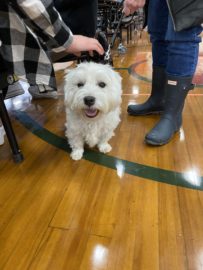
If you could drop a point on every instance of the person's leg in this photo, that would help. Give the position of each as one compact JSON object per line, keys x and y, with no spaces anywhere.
{"x":183,"y":48}
{"x":80,"y":16}
{"x":157,"y":27}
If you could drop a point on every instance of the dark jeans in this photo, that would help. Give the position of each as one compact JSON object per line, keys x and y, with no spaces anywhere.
{"x":176,"y":51}
{"x":79,"y":15}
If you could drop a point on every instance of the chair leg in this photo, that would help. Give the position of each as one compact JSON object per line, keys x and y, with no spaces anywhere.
{"x":131,"y":29}
{"x":127,"y":31}
{"x":17,"y":155}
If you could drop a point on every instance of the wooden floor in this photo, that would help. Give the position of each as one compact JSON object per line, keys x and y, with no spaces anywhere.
{"x":137,"y":208}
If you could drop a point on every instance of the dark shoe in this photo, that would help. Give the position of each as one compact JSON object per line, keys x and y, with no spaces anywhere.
{"x":40,"y":92}
{"x":155,"y":103}
{"x":14,"y":90}
{"x":171,"y":120}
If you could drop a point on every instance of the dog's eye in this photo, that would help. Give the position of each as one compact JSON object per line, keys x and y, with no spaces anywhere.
{"x":101,"y":84}
{"x":80,"y":84}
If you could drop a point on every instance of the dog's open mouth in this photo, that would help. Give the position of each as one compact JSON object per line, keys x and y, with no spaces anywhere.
{"x":91,"y":113}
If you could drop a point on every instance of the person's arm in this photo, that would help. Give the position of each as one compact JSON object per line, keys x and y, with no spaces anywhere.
{"x":130,"y":6}
{"x":43,"y":15}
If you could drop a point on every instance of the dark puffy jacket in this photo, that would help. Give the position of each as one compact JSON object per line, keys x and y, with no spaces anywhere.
{"x":185,"y":13}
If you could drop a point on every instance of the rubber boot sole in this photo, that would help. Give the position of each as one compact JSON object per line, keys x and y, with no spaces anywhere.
{"x":146,"y":113}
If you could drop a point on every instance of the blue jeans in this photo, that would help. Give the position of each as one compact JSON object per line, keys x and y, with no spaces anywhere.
{"x":177,"y":52}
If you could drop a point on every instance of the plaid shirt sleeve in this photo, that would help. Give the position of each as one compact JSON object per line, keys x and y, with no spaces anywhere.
{"x":46,"y":22}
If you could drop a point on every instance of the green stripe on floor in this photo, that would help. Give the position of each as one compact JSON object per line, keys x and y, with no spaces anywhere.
{"x":136,"y":169}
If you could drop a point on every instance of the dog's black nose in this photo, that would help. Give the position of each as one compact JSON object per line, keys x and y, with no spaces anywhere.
{"x":89,"y":100}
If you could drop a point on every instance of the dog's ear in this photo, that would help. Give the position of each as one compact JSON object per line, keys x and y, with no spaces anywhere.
{"x":68,"y":87}
{"x":118,"y":76}
{"x":117,"y":79}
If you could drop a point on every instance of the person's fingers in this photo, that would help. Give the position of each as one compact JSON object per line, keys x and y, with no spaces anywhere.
{"x":91,"y":53}
{"x":81,"y":43}
{"x":98,"y":47}
{"x":126,"y":11}
{"x":127,"y":8}
{"x":101,"y":49}
{"x":130,"y":6}
{"x":78,"y":54}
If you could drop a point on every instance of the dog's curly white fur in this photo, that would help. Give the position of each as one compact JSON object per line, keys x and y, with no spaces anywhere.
{"x":92,"y":103}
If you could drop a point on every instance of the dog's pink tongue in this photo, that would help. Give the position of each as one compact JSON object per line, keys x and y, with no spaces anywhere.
{"x":91,"y":112}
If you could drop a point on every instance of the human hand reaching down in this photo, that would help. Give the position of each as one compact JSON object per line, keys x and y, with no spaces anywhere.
{"x":82,"y":43}
{"x":130,"y":6}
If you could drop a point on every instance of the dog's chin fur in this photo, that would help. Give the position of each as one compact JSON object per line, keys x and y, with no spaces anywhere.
{"x":95,"y":88}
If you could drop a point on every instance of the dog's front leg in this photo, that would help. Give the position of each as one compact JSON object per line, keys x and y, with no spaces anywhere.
{"x":77,"y":146}
{"x":103,"y":145}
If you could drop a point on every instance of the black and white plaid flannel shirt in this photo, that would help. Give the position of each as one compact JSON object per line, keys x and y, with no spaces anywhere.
{"x":29,"y":29}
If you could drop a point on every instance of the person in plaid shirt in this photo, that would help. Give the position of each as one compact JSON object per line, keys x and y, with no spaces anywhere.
{"x":29,"y":30}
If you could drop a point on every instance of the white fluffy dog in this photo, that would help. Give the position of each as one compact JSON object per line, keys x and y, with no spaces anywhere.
{"x":92,"y":102}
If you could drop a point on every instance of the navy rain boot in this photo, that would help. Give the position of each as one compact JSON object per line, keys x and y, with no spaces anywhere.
{"x":170,"y":122}
{"x":155,"y":103}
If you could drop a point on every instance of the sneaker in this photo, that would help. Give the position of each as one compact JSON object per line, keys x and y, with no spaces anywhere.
{"x":2,"y":133}
{"x":14,"y":90}
{"x":42,"y":91}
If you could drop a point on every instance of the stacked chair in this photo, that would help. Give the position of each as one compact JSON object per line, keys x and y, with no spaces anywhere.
{"x":112,"y":21}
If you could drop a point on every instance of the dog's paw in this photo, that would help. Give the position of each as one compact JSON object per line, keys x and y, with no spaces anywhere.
{"x":104,"y":147}
{"x":77,"y":154}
